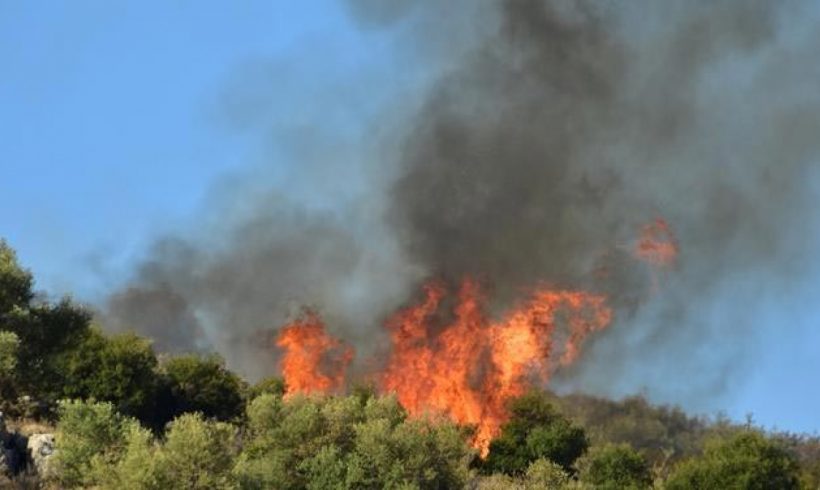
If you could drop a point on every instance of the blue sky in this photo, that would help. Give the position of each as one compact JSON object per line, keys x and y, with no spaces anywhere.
{"x":116,"y":120}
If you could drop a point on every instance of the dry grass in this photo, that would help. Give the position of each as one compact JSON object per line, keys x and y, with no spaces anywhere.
{"x":28,"y":427}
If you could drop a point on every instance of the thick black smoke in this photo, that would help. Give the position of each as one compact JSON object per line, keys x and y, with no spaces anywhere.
{"x":553,"y":132}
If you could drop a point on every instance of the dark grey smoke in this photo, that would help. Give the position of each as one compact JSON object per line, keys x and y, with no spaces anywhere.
{"x":553,"y":132}
{"x":539,"y":156}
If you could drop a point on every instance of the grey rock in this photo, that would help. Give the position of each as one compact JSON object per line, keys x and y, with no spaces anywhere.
{"x":41,"y":451}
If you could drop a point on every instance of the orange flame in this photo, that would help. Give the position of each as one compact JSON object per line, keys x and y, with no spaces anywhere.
{"x":313,"y":362}
{"x":466,"y":365}
{"x":657,"y":245}
{"x":471,"y":367}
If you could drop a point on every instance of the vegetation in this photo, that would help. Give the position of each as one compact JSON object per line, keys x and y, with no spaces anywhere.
{"x":202,"y":384}
{"x":614,"y":467}
{"x":126,"y":420}
{"x":747,"y":460}
{"x":535,"y":430}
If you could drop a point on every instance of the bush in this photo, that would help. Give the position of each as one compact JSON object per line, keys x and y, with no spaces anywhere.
{"x":203,"y":384}
{"x":136,"y":468}
{"x":541,"y":474}
{"x":15,"y":282}
{"x":197,"y":454}
{"x":90,"y":435}
{"x":272,"y":385}
{"x":615,"y":467}
{"x":46,"y":332}
{"x":747,"y":460}
{"x":9,"y":346}
{"x":535,"y":430}
{"x":119,"y":369}
{"x":341,"y":442}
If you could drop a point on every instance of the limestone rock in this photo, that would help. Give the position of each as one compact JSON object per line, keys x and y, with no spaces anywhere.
{"x":41,"y":451}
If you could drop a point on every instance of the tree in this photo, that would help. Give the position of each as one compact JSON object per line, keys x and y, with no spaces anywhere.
{"x":197,"y":454}
{"x":43,"y":330}
{"x":541,"y":474}
{"x":120,"y":369}
{"x":203,"y":384}
{"x":9,"y":346}
{"x":615,"y":467}
{"x":535,"y":430}
{"x":273,"y":385}
{"x":746,"y":460}
{"x":15,"y":282}
{"x":46,"y":332}
{"x":341,"y":442}
{"x":89,"y":435}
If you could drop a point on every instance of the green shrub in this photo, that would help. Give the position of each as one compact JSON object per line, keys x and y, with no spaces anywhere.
{"x":15,"y":282}
{"x":46,"y":333}
{"x":747,"y":460}
{"x":89,"y":435}
{"x":273,"y":385}
{"x":9,"y":346}
{"x":120,"y":369}
{"x":341,"y":442}
{"x":197,"y":454}
{"x":203,"y":384}
{"x":543,"y":473}
{"x":615,"y":467}
{"x":535,"y":430}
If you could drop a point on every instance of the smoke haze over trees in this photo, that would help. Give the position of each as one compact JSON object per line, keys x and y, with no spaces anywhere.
{"x":546,"y":137}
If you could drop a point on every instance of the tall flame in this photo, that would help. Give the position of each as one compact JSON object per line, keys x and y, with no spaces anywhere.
{"x":470,"y":367}
{"x":459,"y":362}
{"x":313,"y":361}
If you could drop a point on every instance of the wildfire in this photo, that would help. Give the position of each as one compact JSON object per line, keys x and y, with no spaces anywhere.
{"x":470,"y":367}
{"x":657,"y":245}
{"x":449,"y":357}
{"x":313,"y":362}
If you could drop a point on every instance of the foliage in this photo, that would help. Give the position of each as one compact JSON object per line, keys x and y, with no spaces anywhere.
{"x":535,"y":430}
{"x":136,"y":467}
{"x":541,"y":474}
{"x":203,"y":384}
{"x":340,"y":442}
{"x":806,"y":449}
{"x":15,"y":282}
{"x":197,"y":454}
{"x":747,"y":460}
{"x":9,"y":346}
{"x":120,"y":369}
{"x":663,"y":434}
{"x":89,"y":435}
{"x":615,"y":467}
{"x":273,"y":385}
{"x":46,"y":332}
{"x":48,"y":351}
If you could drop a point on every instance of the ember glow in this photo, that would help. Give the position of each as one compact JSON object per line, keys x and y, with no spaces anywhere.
{"x":313,"y":361}
{"x":657,"y":245}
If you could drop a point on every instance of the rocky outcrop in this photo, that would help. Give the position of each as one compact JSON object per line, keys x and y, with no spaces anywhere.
{"x":41,"y":452}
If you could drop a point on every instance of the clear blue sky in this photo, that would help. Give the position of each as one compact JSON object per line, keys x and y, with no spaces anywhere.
{"x":116,"y":118}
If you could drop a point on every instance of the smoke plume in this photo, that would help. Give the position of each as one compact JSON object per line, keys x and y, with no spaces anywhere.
{"x":551,"y":133}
